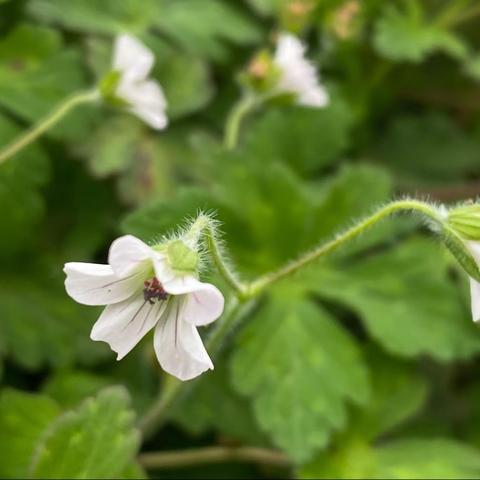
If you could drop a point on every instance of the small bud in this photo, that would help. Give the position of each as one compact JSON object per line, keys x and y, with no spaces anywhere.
{"x":181,"y":257}
{"x":344,"y":20}
{"x":465,"y":220}
{"x":261,"y":74}
{"x":296,"y":15}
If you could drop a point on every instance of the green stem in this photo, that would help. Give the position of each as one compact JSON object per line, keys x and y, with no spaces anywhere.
{"x":402,"y":205}
{"x":206,"y":225}
{"x":246,"y":294}
{"x":46,"y":123}
{"x":157,"y":414}
{"x":234,"y":120}
{"x":199,"y":456}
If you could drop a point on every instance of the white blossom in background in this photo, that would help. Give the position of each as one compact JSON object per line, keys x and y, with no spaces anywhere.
{"x":474,"y":248}
{"x":297,"y":74}
{"x":145,"y":98}
{"x":142,"y":291}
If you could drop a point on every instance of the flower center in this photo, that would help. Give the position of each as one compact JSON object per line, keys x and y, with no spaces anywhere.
{"x":153,"y":290}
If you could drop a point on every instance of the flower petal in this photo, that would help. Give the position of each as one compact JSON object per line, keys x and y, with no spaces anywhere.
{"x":475,"y":299}
{"x":124,"y":324}
{"x":204,"y":305}
{"x":147,"y":101}
{"x":94,"y":284}
{"x":178,"y":345}
{"x":132,"y":58}
{"x":298,"y":75}
{"x":127,"y":253}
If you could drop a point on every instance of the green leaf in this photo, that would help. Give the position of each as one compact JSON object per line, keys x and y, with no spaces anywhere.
{"x":70,"y":387}
{"x":407,"y":36}
{"x":427,"y":458}
{"x":97,"y":16}
{"x":410,"y":458}
{"x":206,"y":27}
{"x":428,"y":148}
{"x":42,"y":325}
{"x":405,"y":300}
{"x":300,"y":369}
{"x":218,"y":407}
{"x":97,"y":440}
{"x":24,"y":418}
{"x":307,"y":139}
{"x":35,"y":80}
{"x":398,"y":392}
{"x":21,"y":178}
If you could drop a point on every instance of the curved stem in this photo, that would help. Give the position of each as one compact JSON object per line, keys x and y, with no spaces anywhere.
{"x":198,"y":456}
{"x":402,"y":205}
{"x":206,"y":225}
{"x":46,"y":123}
{"x":158,"y":412}
{"x":234,"y":120}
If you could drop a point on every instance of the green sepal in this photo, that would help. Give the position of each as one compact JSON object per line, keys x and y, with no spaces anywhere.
{"x":460,"y":251}
{"x":465,"y":220}
{"x":181,"y":257}
{"x":261,"y":75}
{"x":108,"y":87}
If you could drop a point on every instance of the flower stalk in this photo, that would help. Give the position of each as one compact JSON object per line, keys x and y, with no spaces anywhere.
{"x":239,"y":111}
{"x":247,"y":293}
{"x":198,"y":456}
{"x":48,"y":122}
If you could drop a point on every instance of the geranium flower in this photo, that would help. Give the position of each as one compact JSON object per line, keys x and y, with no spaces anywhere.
{"x":297,"y":74}
{"x":132,"y":61}
{"x":142,"y":290}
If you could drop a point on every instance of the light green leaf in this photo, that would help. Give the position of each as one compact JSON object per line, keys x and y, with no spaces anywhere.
{"x":300,"y":369}
{"x":405,"y":300}
{"x":24,"y":418}
{"x":427,"y":458}
{"x":407,"y":36}
{"x":97,"y":440}
{"x":206,"y":27}
{"x":400,"y":459}
{"x":97,"y":16}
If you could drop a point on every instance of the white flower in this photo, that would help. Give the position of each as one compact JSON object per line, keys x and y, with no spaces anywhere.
{"x":141,"y":292}
{"x":297,"y":74}
{"x":474,"y":248}
{"x":133,"y":61}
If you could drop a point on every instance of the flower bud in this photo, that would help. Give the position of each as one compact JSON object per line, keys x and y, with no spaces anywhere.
{"x":261,"y":74}
{"x":181,"y":257}
{"x":465,"y":220}
{"x":296,"y":15}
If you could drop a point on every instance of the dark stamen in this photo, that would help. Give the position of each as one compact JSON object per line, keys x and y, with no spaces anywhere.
{"x":153,"y":290}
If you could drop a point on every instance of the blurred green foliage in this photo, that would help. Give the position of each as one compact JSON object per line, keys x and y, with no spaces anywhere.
{"x":365,"y":365}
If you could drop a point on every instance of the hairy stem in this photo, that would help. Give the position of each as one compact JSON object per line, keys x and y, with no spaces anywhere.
{"x":198,"y":456}
{"x":46,"y":123}
{"x":317,"y":253}
{"x":234,"y":120}
{"x":245,"y":294}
